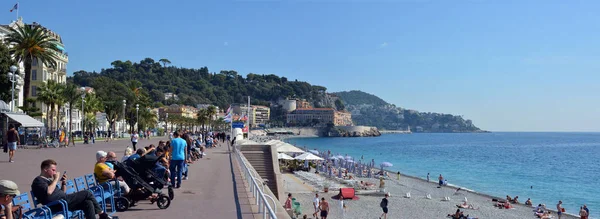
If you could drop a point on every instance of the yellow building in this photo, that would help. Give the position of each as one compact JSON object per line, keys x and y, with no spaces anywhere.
{"x":319,"y":116}
{"x":178,"y":110}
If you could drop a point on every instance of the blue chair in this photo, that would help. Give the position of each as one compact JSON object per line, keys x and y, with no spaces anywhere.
{"x":28,"y":210}
{"x":70,"y":187}
{"x":107,"y":190}
{"x":64,"y":207}
{"x":96,"y":190}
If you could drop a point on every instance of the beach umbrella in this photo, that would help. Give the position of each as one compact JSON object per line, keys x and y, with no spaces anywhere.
{"x":307,"y":156}
{"x":386,"y":164}
{"x":348,"y":158}
{"x":339,"y":157}
{"x":282,"y":156}
{"x":314,"y":152}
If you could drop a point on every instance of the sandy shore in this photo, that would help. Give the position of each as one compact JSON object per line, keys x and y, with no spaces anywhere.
{"x":418,"y":206}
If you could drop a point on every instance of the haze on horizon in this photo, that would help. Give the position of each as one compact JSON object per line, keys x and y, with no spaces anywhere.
{"x":507,"y":65}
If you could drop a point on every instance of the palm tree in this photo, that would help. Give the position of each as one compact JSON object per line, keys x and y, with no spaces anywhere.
{"x":202,"y":117}
{"x":147,"y":119}
{"x":91,"y":106}
{"x":165,"y":62}
{"x":71,"y":94}
{"x":32,"y":42}
{"x":50,"y":94}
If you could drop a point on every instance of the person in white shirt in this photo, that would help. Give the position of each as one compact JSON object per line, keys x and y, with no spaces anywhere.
{"x":134,"y":140}
{"x":316,"y":203}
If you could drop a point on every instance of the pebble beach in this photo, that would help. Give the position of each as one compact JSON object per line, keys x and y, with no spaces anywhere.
{"x":400,"y":206}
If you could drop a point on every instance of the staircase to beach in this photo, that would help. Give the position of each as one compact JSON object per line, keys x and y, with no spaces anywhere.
{"x":261,"y":159}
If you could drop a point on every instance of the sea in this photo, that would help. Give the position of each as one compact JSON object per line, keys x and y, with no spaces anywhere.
{"x":546,"y":167}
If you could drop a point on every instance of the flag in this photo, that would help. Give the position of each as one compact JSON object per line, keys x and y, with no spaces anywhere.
{"x":227,"y":118}
{"x":16,"y":7}
{"x":228,"y":110}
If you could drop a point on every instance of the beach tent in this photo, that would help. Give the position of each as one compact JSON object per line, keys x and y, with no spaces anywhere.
{"x":288,"y":148}
{"x":282,"y":156}
{"x":307,"y":156}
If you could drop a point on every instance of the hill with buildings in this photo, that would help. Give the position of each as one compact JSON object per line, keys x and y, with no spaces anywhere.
{"x":370,"y":110}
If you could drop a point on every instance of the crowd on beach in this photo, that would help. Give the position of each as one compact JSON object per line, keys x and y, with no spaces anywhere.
{"x":174,"y":158}
{"x":477,"y":206}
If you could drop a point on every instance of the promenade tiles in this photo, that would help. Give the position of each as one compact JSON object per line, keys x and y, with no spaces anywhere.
{"x":208,"y":193}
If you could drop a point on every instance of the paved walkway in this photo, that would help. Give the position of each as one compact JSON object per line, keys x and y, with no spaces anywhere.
{"x":209,"y":193}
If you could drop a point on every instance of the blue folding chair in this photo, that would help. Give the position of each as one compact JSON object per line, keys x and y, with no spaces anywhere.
{"x":64,"y":207}
{"x":30,"y":211}
{"x":97,"y":191}
{"x":70,"y":187}
{"x":107,"y":190}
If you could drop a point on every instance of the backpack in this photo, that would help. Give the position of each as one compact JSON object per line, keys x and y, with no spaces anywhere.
{"x":383,"y":203}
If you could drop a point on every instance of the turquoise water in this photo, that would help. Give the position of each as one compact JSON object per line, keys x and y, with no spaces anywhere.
{"x":559,"y":166}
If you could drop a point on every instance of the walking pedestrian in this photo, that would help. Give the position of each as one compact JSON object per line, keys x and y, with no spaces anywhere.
{"x":384,"y":207}
{"x":427,"y":177}
{"x":178,"y":157}
{"x":12,"y":140}
{"x":316,"y":204}
{"x":134,"y":139}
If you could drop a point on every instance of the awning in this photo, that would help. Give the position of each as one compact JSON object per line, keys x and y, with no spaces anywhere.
{"x":25,"y":120}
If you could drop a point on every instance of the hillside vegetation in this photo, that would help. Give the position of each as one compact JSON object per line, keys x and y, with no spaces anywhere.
{"x":370,"y":110}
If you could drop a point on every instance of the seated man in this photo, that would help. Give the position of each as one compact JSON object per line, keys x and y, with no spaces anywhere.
{"x":104,"y":173}
{"x":528,"y":202}
{"x":8,"y":190}
{"x":140,"y":152}
{"x":45,"y":189}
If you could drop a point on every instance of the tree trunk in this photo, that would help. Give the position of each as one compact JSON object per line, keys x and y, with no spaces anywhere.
{"x":27,"y":80}
{"x":51,"y":116}
{"x":58,"y":119}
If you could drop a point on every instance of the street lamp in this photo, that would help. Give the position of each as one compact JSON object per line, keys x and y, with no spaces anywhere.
{"x":137,"y":118}
{"x":124,"y":105}
{"x":13,"y":77}
{"x":167,"y":123}
{"x":82,"y":115}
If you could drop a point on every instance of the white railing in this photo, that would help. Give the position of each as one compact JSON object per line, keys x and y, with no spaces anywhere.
{"x":263,"y":205}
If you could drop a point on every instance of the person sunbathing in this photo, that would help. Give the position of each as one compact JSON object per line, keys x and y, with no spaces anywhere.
{"x":507,"y":205}
{"x":466,"y":206}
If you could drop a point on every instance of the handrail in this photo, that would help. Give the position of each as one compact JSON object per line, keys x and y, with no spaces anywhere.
{"x":256,"y":190}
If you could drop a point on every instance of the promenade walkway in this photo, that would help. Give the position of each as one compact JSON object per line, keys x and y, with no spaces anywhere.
{"x":208,"y":193}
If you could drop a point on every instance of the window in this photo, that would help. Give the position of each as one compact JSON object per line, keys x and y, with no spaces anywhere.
{"x":34,"y":75}
{"x":34,"y":62}
{"x":45,"y":75}
{"x":33,"y":91}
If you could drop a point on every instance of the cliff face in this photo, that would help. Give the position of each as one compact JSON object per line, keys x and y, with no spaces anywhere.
{"x":350,"y":131}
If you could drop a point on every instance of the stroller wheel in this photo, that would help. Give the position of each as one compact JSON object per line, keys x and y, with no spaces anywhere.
{"x":122,"y":204}
{"x":163,"y":201}
{"x":171,"y":193}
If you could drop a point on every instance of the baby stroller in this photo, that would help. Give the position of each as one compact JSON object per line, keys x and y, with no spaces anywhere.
{"x":143,"y":182}
{"x":86,"y":139}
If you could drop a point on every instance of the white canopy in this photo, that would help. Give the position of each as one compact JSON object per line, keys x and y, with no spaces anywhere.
{"x":282,"y":156}
{"x":288,"y":148}
{"x":307,"y":156}
{"x":25,"y":120}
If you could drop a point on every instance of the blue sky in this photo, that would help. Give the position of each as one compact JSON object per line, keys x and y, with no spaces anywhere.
{"x":507,"y":65}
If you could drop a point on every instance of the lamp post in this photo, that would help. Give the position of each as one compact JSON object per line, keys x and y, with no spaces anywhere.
{"x":167,"y":123}
{"x":124,"y":121}
{"x":137,"y":117}
{"x":82,"y":113}
{"x":13,"y":77}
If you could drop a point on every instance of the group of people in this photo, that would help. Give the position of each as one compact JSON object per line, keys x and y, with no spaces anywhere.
{"x":50,"y":184}
{"x":321,"y":206}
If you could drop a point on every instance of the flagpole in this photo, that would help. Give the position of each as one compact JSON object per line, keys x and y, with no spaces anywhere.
{"x":248,"y":113}
{"x":17,"y":11}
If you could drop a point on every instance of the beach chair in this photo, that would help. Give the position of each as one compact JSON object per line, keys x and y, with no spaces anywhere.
{"x":70,"y":187}
{"x":96,"y":191}
{"x":28,"y":210}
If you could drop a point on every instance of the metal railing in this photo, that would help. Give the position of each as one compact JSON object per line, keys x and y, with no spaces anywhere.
{"x":263,"y":205}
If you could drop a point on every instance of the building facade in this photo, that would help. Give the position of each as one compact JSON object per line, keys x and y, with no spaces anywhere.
{"x":259,"y":115}
{"x":318,"y":117}
{"x":178,"y":110}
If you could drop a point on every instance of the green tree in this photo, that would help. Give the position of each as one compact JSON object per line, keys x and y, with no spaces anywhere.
{"x":165,"y":62}
{"x":339,"y":105}
{"x":50,"y":93}
{"x":5,"y":62}
{"x":32,"y":42}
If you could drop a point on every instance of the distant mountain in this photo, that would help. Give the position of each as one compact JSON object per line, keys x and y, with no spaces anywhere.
{"x":370,"y":110}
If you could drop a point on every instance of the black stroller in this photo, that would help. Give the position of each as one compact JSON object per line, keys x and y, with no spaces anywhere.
{"x":144,"y":183}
